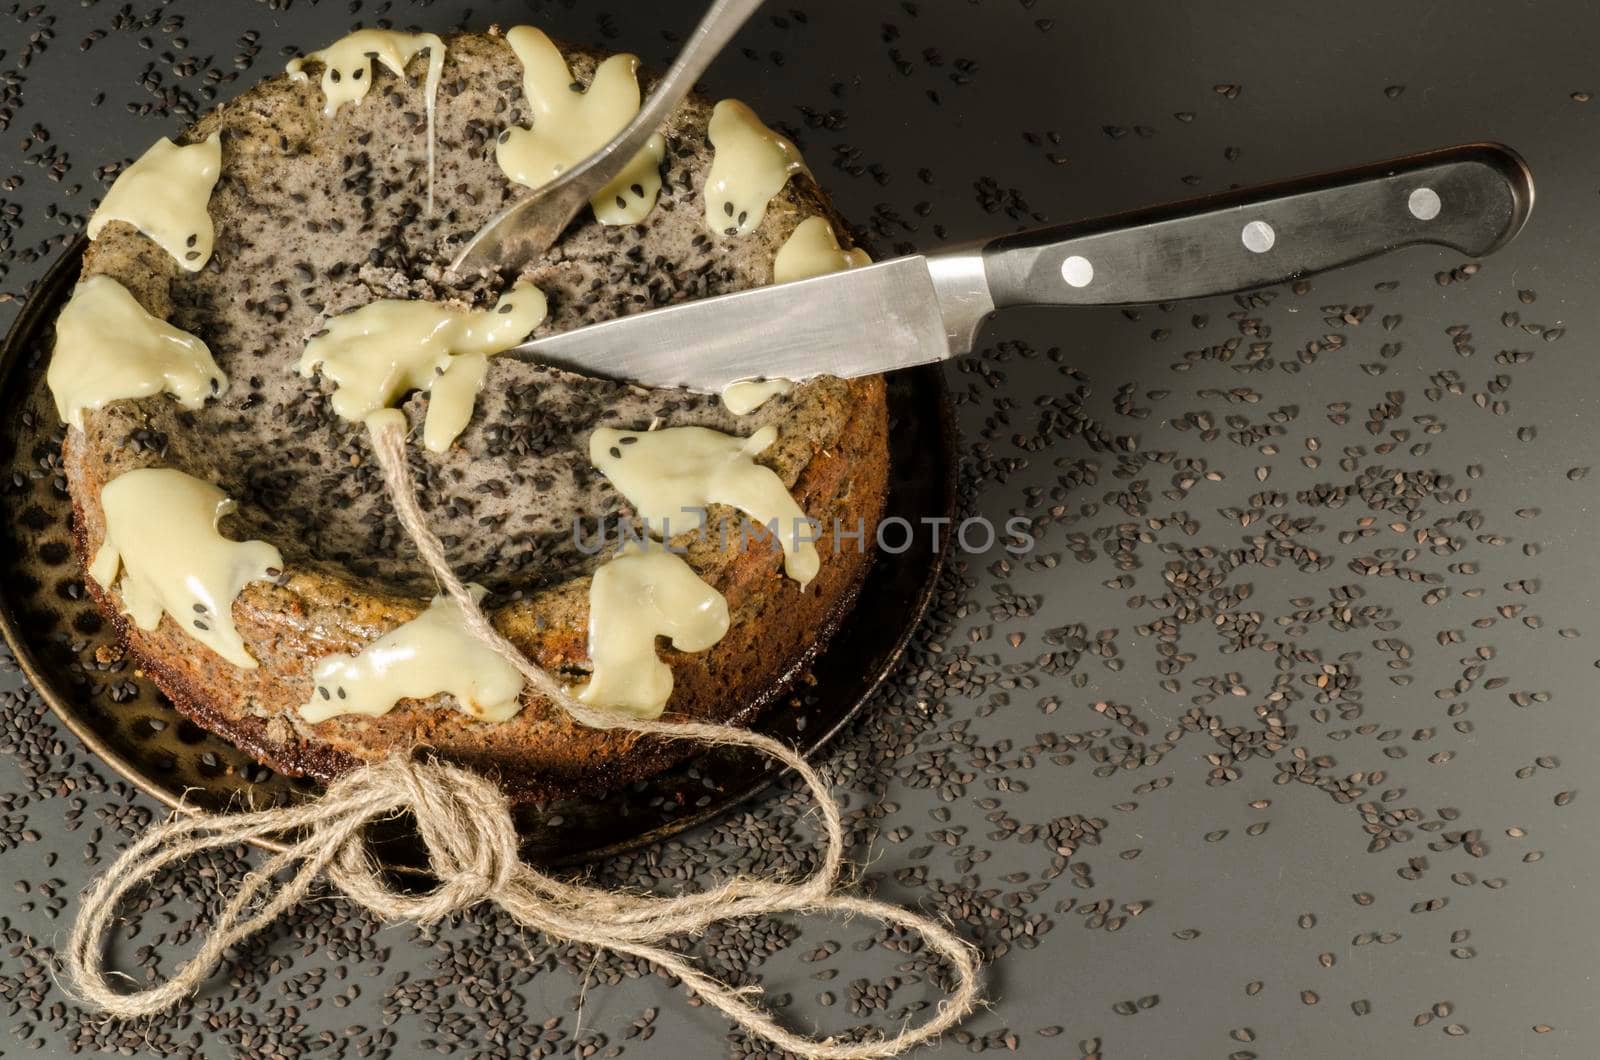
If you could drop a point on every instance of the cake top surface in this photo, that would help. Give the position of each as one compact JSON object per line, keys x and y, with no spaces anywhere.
{"x":322,"y":210}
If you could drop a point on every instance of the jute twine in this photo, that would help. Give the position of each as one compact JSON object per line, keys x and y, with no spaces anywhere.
{"x":465,"y":824}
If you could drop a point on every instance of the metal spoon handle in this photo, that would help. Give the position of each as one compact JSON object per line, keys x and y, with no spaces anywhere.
{"x":528,"y":228}
{"x":715,"y":30}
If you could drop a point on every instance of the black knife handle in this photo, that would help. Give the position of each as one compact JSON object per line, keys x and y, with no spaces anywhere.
{"x":1473,"y":199}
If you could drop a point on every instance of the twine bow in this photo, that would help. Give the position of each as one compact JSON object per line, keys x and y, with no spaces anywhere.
{"x":466,"y":827}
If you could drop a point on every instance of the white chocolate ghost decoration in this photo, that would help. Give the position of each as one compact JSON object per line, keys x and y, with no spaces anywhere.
{"x":747,"y":395}
{"x":347,"y":71}
{"x":642,"y":593}
{"x":376,"y":354}
{"x":670,"y":474}
{"x":750,"y":164}
{"x":166,"y":194}
{"x":161,"y":532}
{"x":570,"y":125}
{"x":433,"y":653}
{"x":108,"y":348}
{"x":813,"y":250}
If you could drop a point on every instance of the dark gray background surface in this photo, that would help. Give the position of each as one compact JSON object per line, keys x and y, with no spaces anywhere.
{"x":1229,"y":494}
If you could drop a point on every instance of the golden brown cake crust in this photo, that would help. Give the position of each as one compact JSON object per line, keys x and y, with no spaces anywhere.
{"x":832,"y":451}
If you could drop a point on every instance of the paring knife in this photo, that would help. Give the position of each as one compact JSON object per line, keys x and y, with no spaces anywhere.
{"x":923,"y":308}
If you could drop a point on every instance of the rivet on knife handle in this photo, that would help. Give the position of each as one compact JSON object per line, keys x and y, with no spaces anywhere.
{"x":1472,"y":199}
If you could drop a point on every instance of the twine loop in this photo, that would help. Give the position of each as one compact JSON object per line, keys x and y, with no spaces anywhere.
{"x":466,"y":827}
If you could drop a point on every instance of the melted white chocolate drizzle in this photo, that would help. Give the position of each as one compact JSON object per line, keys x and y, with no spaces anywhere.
{"x":570,"y":125}
{"x":747,"y":395}
{"x":376,"y":354}
{"x":166,"y":194}
{"x":433,"y":653}
{"x":642,"y":593}
{"x":347,"y":71}
{"x":813,"y":250}
{"x":750,"y":165}
{"x":108,"y":348}
{"x":670,"y":474}
{"x":161,"y":531}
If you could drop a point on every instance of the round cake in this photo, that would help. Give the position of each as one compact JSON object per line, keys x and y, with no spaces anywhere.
{"x":342,"y":191}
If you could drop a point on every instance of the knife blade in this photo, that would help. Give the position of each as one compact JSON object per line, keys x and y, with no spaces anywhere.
{"x":873,"y":319}
{"x":922,"y":308}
